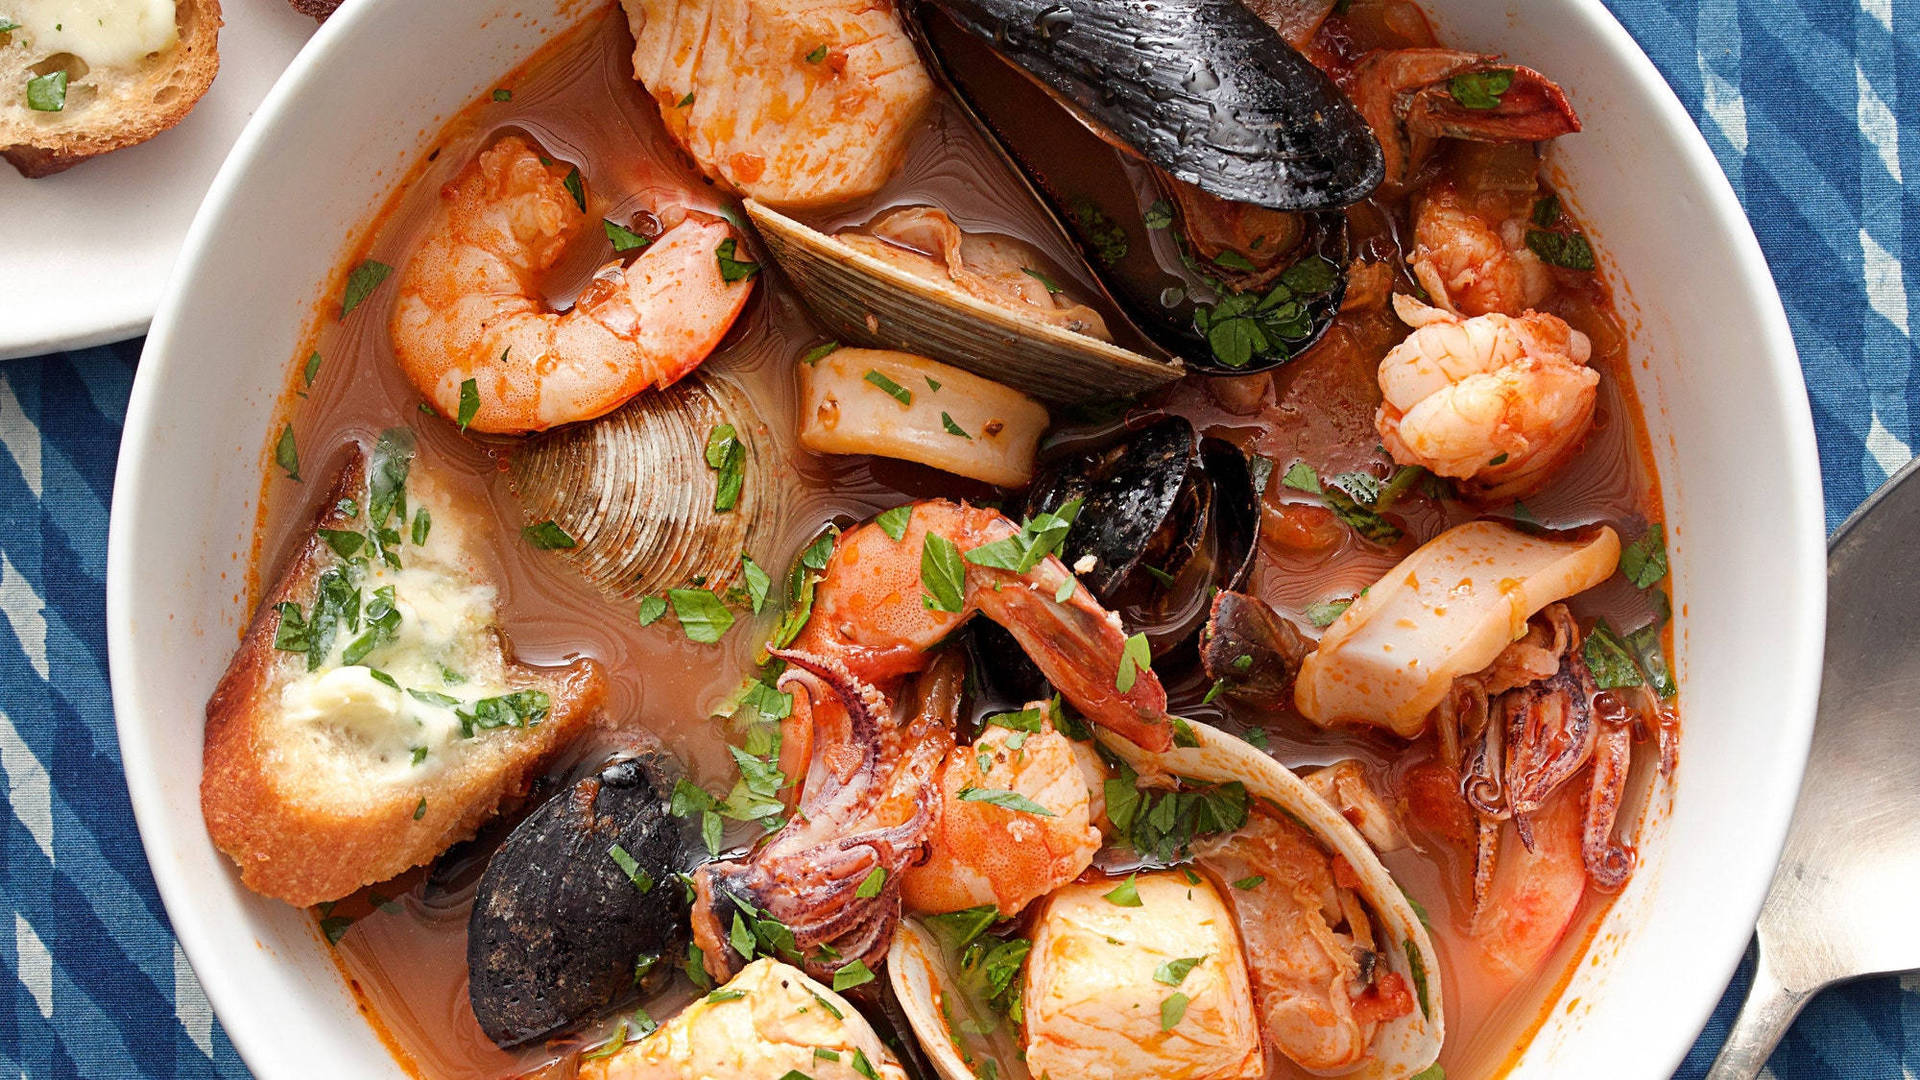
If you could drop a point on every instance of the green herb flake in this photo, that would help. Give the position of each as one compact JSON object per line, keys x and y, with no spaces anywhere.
{"x":1044,"y":280}
{"x":1234,"y":260}
{"x":819,"y":352}
{"x":1172,"y":1010}
{"x":422,"y":525}
{"x":1546,"y":211}
{"x":943,"y":574}
{"x":818,"y":54}
{"x":1107,"y":239}
{"x":640,"y":878}
{"x":361,"y":281}
{"x":7,"y":25}
{"x":685,"y":101}
{"x":1644,"y":561}
{"x":694,"y":967}
{"x":892,"y":389}
{"x":1159,"y":215}
{"x":759,"y":582}
{"x":1135,"y":657}
{"x":622,"y":238}
{"x":1301,"y":476}
{"x":312,"y":369}
{"x":47,"y":93}
{"x":1309,"y":277}
{"x":1417,"y":968}
{"x":710,"y":827}
{"x":576,"y":187}
{"x":703,"y":618}
{"x":1174,"y":972}
{"x":548,"y":536}
{"x":1065,"y":592}
{"x":829,"y":1006}
{"x":854,"y":974}
{"x":286,"y":454}
{"x":860,"y":1063}
{"x":894,"y":522}
{"x":420,"y":810}
{"x":1567,"y":250}
{"x":732,"y":269}
{"x":1125,"y":894}
{"x":728,"y":456}
{"x":946,"y":421}
{"x":1006,"y":800}
{"x":1252,"y":881}
{"x":1607,"y":657}
{"x":335,"y":928}
{"x":1480,"y":89}
{"x":651,"y":608}
{"x":719,"y":996}
{"x":871,"y":885}
{"x":1431,"y":1072}
{"x":1323,"y":615}
{"x":502,"y":94}
{"x":1645,"y":643}
{"x":469,"y":402}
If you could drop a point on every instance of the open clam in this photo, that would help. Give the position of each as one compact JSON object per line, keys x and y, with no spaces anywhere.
{"x":882,"y":304}
{"x":662,"y":493}
{"x":937,"y":986}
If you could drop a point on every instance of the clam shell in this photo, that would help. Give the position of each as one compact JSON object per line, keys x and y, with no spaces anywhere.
{"x":866,"y":301}
{"x":918,"y":971}
{"x":634,"y":490}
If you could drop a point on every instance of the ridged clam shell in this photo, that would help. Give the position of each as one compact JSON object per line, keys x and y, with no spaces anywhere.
{"x":866,"y":301}
{"x":634,"y":490}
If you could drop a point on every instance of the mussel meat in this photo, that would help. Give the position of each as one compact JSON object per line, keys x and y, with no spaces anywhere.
{"x":662,"y":493}
{"x":1230,"y":285}
{"x":1250,"y":652}
{"x":1167,"y":518}
{"x":577,"y":896}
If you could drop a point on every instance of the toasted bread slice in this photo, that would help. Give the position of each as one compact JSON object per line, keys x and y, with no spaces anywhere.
{"x":319,"y":9}
{"x":374,"y":714}
{"x":111,"y":100}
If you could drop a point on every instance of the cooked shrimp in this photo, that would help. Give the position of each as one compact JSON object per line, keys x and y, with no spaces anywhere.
{"x":873,"y":613}
{"x":1498,"y":401}
{"x":1409,"y":99}
{"x":1534,"y":893}
{"x":982,"y":853}
{"x":1319,"y":987}
{"x":468,"y":305}
{"x":1472,"y":262}
{"x":793,"y":102}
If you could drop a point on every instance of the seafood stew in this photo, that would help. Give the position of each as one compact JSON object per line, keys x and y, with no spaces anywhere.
{"x":830,"y":758}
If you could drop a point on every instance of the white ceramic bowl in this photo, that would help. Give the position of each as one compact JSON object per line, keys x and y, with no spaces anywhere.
{"x":1714,"y":362}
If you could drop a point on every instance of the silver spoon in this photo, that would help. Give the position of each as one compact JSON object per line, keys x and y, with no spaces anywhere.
{"x":1842,"y":901}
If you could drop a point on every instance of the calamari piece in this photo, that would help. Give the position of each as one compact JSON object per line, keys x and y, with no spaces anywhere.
{"x":982,"y":852}
{"x":793,"y":102}
{"x":771,"y":1021}
{"x":925,"y":242}
{"x":898,"y":405}
{"x":1101,"y":975}
{"x":1345,"y":787}
{"x":1447,"y":610}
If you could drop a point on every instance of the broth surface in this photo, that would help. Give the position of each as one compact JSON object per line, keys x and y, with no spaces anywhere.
{"x":404,"y":949}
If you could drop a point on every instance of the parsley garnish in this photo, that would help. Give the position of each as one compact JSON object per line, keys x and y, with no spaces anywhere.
{"x":818,"y":54}
{"x":943,"y":574}
{"x":640,"y":878}
{"x":854,"y":974}
{"x":1480,"y":89}
{"x":819,"y":352}
{"x":286,"y":454}
{"x":361,"y":282}
{"x":1135,"y":657}
{"x":1607,"y":657}
{"x":576,"y":187}
{"x":1159,"y":215}
{"x":651,"y":608}
{"x":732,"y":269}
{"x":469,"y":402}
{"x":1125,"y":894}
{"x":622,"y":238}
{"x":1006,"y":800}
{"x":1568,"y":250}
{"x":1174,"y":972}
{"x":47,"y":93}
{"x":703,"y":618}
{"x":548,"y":536}
{"x":1052,"y":289}
{"x":894,"y":522}
{"x":946,"y":421}
{"x":1644,"y":561}
{"x":892,"y":389}
{"x":1172,"y":1010}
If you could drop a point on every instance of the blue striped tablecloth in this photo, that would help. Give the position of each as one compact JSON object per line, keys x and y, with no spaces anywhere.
{"x":1802,"y":102}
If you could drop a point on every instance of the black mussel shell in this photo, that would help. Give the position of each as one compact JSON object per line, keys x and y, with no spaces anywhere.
{"x":1134,"y":229}
{"x":558,"y":924}
{"x":1203,"y":89}
{"x":1250,"y":652}
{"x":1167,"y":518}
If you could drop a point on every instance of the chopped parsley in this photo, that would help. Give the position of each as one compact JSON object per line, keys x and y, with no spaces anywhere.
{"x":818,"y":54}
{"x":702,"y":616}
{"x":871,"y":885}
{"x":1417,"y":967}
{"x":1480,"y":89}
{"x":1135,"y":657}
{"x":1567,"y":250}
{"x":946,"y":421}
{"x":1301,"y":476}
{"x":732,"y":269}
{"x":47,"y":93}
{"x":1323,"y":615}
{"x":1607,"y":657}
{"x":640,"y":878}
{"x":651,"y":608}
{"x":622,"y":238}
{"x":894,"y":522}
{"x":1039,"y":537}
{"x":361,"y":281}
{"x":1644,"y":561}
{"x":469,"y":401}
{"x":1006,"y":800}
{"x":502,"y":94}
{"x":728,"y":456}
{"x":1052,"y":289}
{"x":1159,"y":215}
{"x":1172,"y":1010}
{"x":576,"y":187}
{"x":1126,"y":894}
{"x":943,"y":574}
{"x":854,"y":973}
{"x":548,"y":536}
{"x":1106,"y":239}
{"x":819,"y":352}
{"x":887,"y":386}
{"x":286,"y":454}
{"x":312,"y":369}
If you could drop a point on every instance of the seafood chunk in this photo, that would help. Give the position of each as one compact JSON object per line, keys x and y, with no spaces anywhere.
{"x":772,"y":1020}
{"x":580,"y":889}
{"x":793,"y":102}
{"x":1310,"y":944}
{"x":374,"y":714}
{"x":867,"y":614}
{"x":924,"y":241}
{"x":469,"y":323}
{"x":1413,"y":98}
{"x":1472,"y":262}
{"x":981,"y":852}
{"x":870,"y":401}
{"x":1500,"y":403}
{"x":1156,"y":991}
{"x":1447,"y":610}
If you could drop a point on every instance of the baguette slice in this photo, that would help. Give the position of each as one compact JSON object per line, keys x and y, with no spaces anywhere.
{"x":311,"y":779}
{"x":107,"y":108}
{"x":318,"y":9}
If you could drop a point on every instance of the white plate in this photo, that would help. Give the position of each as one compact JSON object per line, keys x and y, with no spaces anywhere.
{"x":1713,"y":361}
{"x":88,"y":251}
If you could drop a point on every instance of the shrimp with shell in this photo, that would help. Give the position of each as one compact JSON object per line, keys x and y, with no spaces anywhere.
{"x":469,"y":310}
{"x":1498,"y":402}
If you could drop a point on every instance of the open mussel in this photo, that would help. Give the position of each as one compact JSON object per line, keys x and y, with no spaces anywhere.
{"x":1203,"y":89}
{"x":577,"y":900}
{"x":661,"y":493}
{"x":1231,"y":280}
{"x":1167,"y":519}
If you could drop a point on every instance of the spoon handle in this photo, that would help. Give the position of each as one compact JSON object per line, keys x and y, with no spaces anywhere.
{"x":1769,"y":1010}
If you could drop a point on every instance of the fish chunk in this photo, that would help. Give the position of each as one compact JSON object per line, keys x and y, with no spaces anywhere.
{"x":796,"y":103}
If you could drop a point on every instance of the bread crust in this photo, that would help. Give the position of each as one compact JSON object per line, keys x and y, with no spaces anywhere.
{"x":319,"y":9}
{"x":295,"y":851}
{"x":169,"y":94}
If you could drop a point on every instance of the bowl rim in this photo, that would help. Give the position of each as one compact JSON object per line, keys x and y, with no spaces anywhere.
{"x":1797,"y":655}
